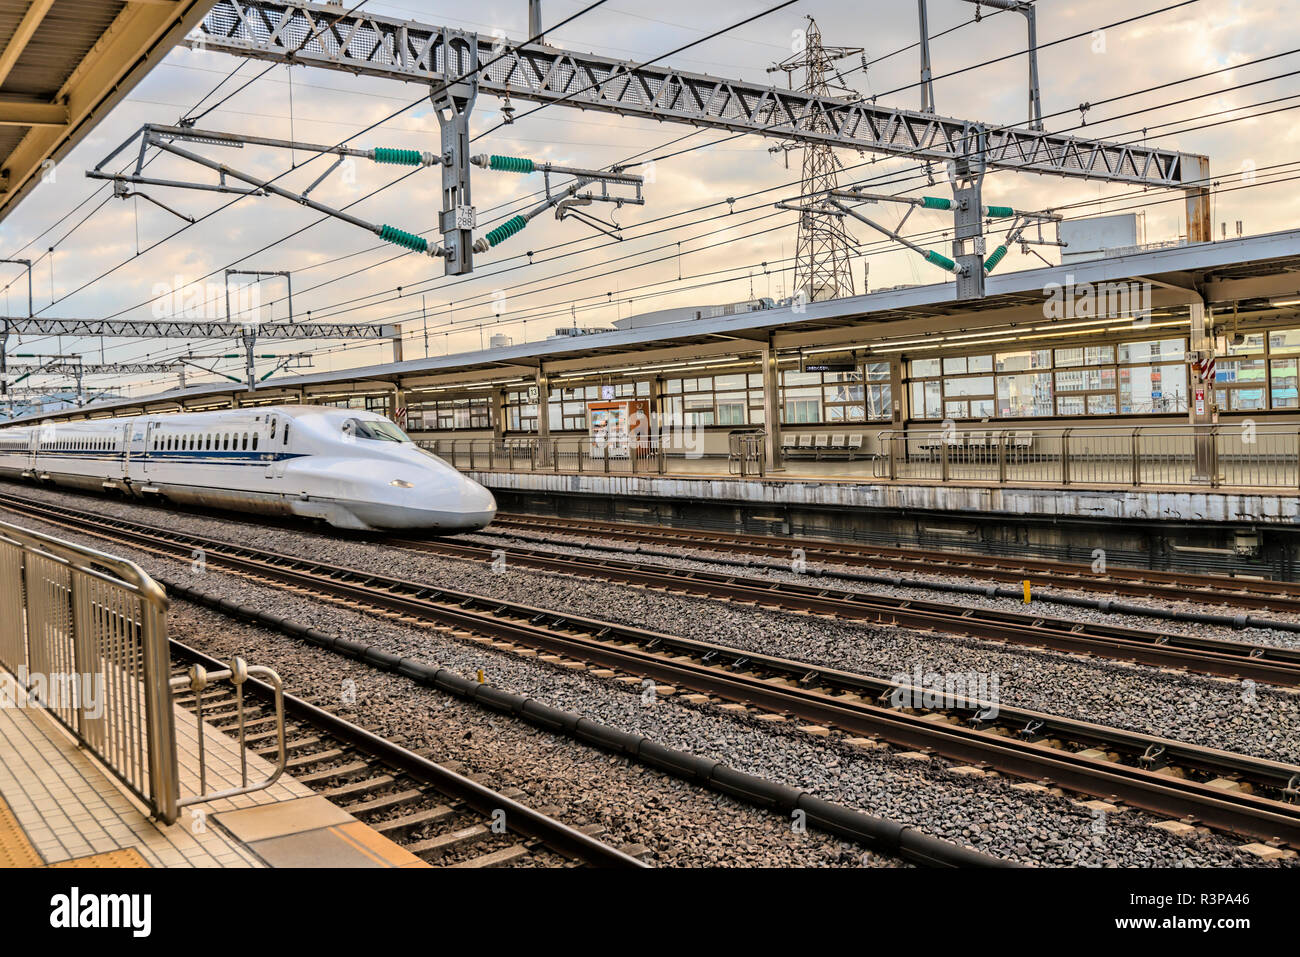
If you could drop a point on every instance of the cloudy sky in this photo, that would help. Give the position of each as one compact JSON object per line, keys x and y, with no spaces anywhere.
{"x":686,"y":246}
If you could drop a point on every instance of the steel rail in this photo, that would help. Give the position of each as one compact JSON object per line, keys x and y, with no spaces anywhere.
{"x":1152,"y":583}
{"x":520,"y":818}
{"x":1167,"y":777}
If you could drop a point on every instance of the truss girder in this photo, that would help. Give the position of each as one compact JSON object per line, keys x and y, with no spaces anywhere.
{"x":94,"y":368}
{"x":407,"y":50}
{"x":194,"y":329}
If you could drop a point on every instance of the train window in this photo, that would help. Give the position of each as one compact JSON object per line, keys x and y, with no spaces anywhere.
{"x":245,"y":445}
{"x":379,"y":431}
{"x":254,"y":441}
{"x":286,"y":433}
{"x":225,"y":441}
{"x":273,"y":428}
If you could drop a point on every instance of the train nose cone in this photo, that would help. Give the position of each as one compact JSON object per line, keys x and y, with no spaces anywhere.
{"x":478,"y":504}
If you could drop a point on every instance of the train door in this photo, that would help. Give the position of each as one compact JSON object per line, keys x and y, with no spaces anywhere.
{"x":137,"y":452}
{"x":122,"y":466}
{"x":274,"y":467}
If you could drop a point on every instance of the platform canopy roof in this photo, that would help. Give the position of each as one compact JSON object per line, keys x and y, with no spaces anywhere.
{"x":63,"y":65}
{"x":1248,"y":274}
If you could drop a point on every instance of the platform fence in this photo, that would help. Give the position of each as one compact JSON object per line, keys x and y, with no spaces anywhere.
{"x":85,"y":636}
{"x":1142,"y":457}
{"x":1242,"y":455}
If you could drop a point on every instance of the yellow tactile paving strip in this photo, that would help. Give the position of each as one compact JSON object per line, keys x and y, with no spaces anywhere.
{"x":129,"y":857}
{"x":373,"y":844}
{"x":15,"y":849}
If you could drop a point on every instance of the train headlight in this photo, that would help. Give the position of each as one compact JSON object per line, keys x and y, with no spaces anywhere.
{"x":401,"y":483}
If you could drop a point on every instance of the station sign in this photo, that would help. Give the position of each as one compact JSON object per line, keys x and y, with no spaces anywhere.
{"x":829,"y":362}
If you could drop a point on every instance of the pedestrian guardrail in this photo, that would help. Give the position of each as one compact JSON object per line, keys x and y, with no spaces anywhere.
{"x":84,"y":634}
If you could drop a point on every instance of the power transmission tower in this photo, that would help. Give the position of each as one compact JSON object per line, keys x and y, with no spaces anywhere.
{"x":822,"y":252}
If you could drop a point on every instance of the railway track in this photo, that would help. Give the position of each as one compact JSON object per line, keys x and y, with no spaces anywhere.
{"x":1231,"y":792}
{"x":1172,"y":586}
{"x":438,"y":815}
{"x":1237,"y":660}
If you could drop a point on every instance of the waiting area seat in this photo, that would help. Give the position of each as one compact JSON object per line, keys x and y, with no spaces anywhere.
{"x":976,"y":446}
{"x":823,"y":446}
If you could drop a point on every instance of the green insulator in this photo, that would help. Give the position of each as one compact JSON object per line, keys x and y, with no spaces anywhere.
{"x":506,"y":230}
{"x":933,"y":257}
{"x":934,"y":202}
{"x":386,"y":154}
{"x":510,"y":164}
{"x":995,"y":258}
{"x":401,"y":237}
{"x":1004,"y":211}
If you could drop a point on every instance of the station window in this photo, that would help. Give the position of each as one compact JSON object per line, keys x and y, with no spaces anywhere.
{"x":1145,"y":376}
{"x":447,"y":414}
{"x":1027,"y":394}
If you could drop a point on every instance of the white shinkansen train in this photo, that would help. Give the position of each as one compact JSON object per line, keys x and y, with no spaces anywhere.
{"x":352,"y":469}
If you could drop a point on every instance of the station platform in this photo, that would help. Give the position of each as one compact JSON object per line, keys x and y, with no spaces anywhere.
{"x":60,"y":808}
{"x":971,"y":490}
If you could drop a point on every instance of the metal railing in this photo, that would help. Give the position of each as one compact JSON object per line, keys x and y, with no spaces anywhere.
{"x":644,"y":456}
{"x":1238,"y":455}
{"x":1243,"y":455}
{"x":85,"y":634}
{"x":197,"y":681}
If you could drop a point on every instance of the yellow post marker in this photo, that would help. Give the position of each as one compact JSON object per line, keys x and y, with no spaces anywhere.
{"x":1026,"y":584}
{"x":482,"y":678}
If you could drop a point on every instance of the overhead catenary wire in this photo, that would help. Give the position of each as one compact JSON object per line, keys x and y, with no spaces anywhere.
{"x":237,"y":199}
{"x":560,"y":308}
{"x":947,"y":74}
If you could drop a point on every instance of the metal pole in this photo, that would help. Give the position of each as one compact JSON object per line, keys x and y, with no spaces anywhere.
{"x":535,"y":19}
{"x":453,"y":102}
{"x":927,"y":83}
{"x":1035,"y":102}
{"x":4,"y":336}
{"x":1027,"y":9}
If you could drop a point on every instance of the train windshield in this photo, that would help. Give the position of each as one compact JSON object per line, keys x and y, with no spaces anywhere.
{"x":379,"y":431}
